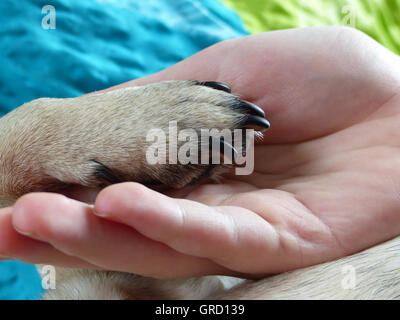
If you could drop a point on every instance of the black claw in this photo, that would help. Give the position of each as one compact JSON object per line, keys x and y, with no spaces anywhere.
{"x":233,"y":152}
{"x":216,"y":85}
{"x":257,"y":123}
{"x":251,"y":108}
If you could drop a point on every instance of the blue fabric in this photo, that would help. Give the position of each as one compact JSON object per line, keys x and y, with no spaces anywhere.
{"x":19,"y":281}
{"x":96,"y":44}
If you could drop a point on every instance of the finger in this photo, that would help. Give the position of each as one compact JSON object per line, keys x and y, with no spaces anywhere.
{"x":71,"y":228}
{"x":16,"y":246}
{"x":231,"y":236}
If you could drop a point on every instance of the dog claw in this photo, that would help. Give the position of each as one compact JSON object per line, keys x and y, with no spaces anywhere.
{"x":230,"y":156}
{"x":216,"y":85}
{"x":257,"y":123}
{"x":224,"y":143}
{"x":251,"y":108}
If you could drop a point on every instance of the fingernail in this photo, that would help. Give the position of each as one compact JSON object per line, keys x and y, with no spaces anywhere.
{"x":28,"y":234}
{"x":25,"y":233}
{"x":96,"y":213}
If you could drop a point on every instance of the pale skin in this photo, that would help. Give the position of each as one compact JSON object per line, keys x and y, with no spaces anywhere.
{"x":326,"y":181}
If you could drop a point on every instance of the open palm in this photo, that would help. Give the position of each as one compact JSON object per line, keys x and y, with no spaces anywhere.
{"x":326,"y":181}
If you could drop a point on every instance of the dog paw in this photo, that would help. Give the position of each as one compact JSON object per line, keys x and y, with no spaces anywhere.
{"x":100,"y":139}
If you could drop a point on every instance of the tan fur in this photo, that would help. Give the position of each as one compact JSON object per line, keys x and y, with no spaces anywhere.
{"x":83,"y":284}
{"x":376,"y":271}
{"x":48,"y":144}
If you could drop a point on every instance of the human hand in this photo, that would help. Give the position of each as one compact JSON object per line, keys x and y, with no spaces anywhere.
{"x":326,"y":181}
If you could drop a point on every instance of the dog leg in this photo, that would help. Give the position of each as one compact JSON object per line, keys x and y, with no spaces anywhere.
{"x":97,"y":140}
{"x":371,"y":274}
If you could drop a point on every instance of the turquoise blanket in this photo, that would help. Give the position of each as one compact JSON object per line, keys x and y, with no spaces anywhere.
{"x":96,"y":44}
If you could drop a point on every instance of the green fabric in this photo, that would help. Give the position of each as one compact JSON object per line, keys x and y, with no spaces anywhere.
{"x":378,"y":18}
